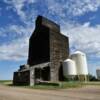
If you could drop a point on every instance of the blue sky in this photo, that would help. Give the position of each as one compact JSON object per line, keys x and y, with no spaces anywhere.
{"x":79,"y":20}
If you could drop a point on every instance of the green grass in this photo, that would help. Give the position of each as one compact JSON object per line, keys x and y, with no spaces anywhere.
{"x":60,"y":85}
{"x":6,"y":82}
{"x":71,"y":84}
{"x":91,"y":83}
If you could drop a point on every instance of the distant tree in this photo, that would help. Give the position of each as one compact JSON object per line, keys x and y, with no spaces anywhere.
{"x":92,"y":78}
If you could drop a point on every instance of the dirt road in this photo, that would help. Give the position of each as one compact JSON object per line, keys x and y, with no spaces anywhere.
{"x":15,"y":93}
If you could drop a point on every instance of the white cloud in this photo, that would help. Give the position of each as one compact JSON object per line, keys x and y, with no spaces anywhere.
{"x":82,"y":37}
{"x":86,"y":24}
{"x":55,"y":7}
{"x":31,"y":1}
{"x":80,"y":7}
{"x":72,"y":7}
{"x":85,"y":38}
{"x":16,"y":50}
{"x":14,"y":31}
{"x":18,"y":5}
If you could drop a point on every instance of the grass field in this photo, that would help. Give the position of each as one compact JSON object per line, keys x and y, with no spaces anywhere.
{"x":6,"y":82}
{"x":61,"y":85}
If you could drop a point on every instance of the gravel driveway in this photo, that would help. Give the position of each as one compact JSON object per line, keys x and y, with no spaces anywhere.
{"x":84,"y":93}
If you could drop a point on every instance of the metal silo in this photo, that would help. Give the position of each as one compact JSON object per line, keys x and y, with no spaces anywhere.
{"x":81,"y":64}
{"x":69,"y":68}
{"x":98,"y":74}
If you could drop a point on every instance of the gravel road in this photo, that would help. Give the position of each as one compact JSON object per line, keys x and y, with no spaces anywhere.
{"x":84,"y":93}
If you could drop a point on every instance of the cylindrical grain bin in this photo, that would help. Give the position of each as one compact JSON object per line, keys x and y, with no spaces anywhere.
{"x":69,"y":68}
{"x":98,"y":74}
{"x":81,"y":64}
